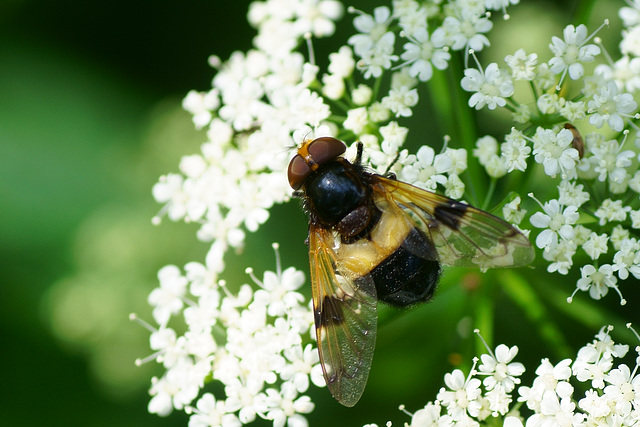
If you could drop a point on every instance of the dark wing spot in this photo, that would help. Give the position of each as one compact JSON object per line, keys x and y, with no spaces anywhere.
{"x":450,"y":214}
{"x":508,"y":235}
{"x":330,"y":312}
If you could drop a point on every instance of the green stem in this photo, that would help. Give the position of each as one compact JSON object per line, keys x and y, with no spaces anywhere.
{"x":490,"y":191}
{"x":586,"y":311}
{"x":336,"y":118}
{"x":376,"y":87}
{"x":520,"y":291}
{"x":456,"y":118}
{"x":534,"y":90}
{"x":340,"y":104}
{"x":484,"y":317}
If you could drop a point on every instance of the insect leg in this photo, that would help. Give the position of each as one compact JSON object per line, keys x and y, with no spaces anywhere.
{"x":359,"y":147}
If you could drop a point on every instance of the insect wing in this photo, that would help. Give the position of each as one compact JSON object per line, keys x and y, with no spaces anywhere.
{"x":461,"y":234}
{"x":345,"y":319}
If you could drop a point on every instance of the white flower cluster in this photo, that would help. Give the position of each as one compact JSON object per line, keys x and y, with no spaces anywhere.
{"x":488,"y":394}
{"x":586,"y":165}
{"x":428,"y":32}
{"x":250,"y":342}
{"x":265,"y":99}
{"x":258,"y":99}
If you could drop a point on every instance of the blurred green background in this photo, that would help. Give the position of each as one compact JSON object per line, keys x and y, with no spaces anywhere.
{"x":89,"y":118}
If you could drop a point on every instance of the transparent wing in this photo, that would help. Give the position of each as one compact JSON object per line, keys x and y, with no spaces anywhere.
{"x":461,"y":234}
{"x":345,"y":319}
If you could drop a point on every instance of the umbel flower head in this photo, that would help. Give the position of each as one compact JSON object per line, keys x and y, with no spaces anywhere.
{"x":553,"y":398}
{"x":571,"y":140}
{"x":256,"y":343}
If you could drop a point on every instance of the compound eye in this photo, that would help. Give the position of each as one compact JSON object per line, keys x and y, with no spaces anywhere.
{"x":325,"y":149}
{"x":298,"y":171}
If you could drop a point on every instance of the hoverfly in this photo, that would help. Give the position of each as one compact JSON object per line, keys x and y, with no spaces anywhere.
{"x":373,"y":238}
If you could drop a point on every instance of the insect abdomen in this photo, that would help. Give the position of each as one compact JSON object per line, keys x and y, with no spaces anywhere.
{"x":405,"y":278}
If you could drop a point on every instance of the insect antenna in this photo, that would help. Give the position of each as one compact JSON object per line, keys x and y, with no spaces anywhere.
{"x":387,"y":171}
